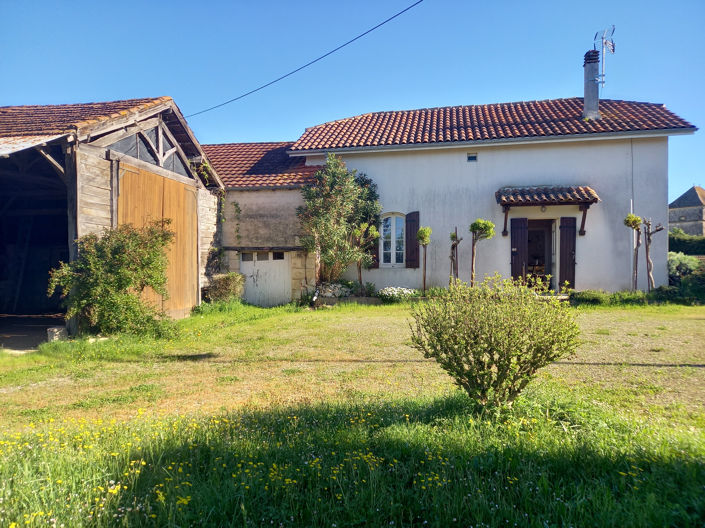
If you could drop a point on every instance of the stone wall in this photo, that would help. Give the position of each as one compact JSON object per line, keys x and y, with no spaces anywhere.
{"x":689,"y":219}
{"x":302,"y":273}
{"x":265,"y":218}
{"x":208,"y":230}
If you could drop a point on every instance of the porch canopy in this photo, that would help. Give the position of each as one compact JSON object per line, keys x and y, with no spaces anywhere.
{"x":580,"y":195}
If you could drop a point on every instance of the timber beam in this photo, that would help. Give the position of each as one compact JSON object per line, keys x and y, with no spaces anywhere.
{"x":584,"y":208}
{"x":58,"y":168}
{"x":506,"y":216}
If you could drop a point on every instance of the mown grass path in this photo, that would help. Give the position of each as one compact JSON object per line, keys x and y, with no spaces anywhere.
{"x":294,"y":418}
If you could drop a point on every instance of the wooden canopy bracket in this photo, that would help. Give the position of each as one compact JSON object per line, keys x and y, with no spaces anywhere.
{"x":54,"y":164}
{"x":584,"y":208}
{"x":506,"y":215}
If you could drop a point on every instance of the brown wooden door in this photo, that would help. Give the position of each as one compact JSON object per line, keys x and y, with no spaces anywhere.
{"x":520,"y":246}
{"x":144,"y":197}
{"x":567,"y":257}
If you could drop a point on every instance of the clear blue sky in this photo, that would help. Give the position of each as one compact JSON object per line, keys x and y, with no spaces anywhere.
{"x":440,"y":53}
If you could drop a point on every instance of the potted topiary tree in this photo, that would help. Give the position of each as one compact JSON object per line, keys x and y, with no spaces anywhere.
{"x":424,"y":237}
{"x":633,"y":222}
{"x":481,"y":230}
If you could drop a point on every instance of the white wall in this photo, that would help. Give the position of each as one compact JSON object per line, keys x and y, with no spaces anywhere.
{"x":449,"y":191}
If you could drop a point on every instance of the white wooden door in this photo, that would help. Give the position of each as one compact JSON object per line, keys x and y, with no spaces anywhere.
{"x":267,"y":277}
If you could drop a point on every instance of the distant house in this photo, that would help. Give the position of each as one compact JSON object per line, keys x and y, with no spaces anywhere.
{"x":557,"y":177}
{"x":687,"y":212}
{"x":70,"y":170}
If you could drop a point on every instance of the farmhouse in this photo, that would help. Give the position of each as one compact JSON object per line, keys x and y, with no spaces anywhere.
{"x":688,"y":211}
{"x":557,"y":177}
{"x":70,"y":170}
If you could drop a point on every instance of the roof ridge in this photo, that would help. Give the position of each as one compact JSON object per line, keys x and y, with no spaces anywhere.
{"x":249,"y":143}
{"x":160,"y":98}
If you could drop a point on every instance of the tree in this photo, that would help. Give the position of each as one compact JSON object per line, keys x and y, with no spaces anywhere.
{"x":481,"y":230}
{"x":633,"y":222}
{"x":423,"y":235}
{"x":454,"y":242}
{"x":336,"y":205}
{"x":648,"y":233}
{"x":364,"y":236}
{"x":492,"y":338}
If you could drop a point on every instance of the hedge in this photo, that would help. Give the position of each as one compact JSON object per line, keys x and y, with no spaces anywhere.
{"x":688,"y":244}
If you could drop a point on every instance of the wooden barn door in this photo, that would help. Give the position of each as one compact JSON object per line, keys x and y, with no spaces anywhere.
{"x":145,"y":197}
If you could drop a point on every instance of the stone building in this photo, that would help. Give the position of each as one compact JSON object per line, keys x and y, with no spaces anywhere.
{"x":687,"y":212}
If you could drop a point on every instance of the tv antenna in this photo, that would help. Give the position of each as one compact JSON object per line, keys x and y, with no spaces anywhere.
{"x":607,"y":43}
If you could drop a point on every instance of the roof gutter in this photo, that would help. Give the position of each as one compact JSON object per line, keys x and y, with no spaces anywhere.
{"x":500,"y":142}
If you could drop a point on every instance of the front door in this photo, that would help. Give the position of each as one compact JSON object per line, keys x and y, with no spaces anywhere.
{"x":539,"y":248}
{"x":567,"y":274}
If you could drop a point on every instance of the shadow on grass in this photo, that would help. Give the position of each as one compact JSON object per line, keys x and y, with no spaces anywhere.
{"x":617,"y":364}
{"x":187,"y":357}
{"x":437,"y":462}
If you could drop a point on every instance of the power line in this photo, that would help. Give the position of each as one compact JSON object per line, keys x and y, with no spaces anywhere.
{"x":292,"y":72}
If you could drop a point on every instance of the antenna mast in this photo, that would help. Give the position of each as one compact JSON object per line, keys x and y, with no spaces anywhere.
{"x":607,"y":43}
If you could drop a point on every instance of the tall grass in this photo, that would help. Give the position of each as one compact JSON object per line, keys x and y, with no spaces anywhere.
{"x":555,"y":459}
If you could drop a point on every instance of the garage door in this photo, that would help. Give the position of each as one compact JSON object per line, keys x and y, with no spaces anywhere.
{"x":267,"y":277}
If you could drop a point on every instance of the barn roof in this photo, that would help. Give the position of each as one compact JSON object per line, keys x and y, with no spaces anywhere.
{"x":526,"y":120}
{"x":259,"y":165}
{"x":46,"y":120}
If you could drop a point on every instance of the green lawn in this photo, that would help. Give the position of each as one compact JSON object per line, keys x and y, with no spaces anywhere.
{"x":285,"y":417}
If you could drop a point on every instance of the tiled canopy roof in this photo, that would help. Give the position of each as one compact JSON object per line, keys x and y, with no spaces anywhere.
{"x":522,"y":120}
{"x":57,"y":119}
{"x":252,"y":165}
{"x":517,"y":196}
{"x":693,"y":197}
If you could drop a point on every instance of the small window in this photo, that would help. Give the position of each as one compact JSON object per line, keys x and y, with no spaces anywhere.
{"x":472,"y":157}
{"x":246,"y":257}
{"x":262,"y":255}
{"x":392,"y":240}
{"x":278,"y":255}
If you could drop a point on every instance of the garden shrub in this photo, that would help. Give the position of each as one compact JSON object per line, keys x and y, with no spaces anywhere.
{"x":693,"y":285}
{"x":628,"y":297}
{"x":680,"y":265}
{"x":492,"y":338}
{"x":594,"y":297}
{"x":225,"y":287}
{"x":395,"y":294}
{"x":666,"y":294}
{"x":103,"y":287}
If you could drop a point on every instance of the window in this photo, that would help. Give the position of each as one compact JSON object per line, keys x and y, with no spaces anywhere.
{"x":472,"y":156}
{"x":262,"y":255}
{"x":278,"y":255}
{"x":246,"y":257}
{"x":391,"y":240}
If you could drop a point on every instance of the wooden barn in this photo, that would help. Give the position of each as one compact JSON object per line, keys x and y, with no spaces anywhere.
{"x":70,"y":170}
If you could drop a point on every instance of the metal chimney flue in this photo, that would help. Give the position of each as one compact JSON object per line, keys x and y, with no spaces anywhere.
{"x":591,"y":98}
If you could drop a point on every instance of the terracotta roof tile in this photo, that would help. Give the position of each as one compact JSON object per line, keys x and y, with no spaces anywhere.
{"x":58,"y":119}
{"x":248,"y":165}
{"x":521,"y":120}
{"x":548,"y":195}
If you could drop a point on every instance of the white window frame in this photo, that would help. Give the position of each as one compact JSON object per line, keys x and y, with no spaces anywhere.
{"x":395,"y":219}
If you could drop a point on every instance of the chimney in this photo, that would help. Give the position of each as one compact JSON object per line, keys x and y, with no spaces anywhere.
{"x":591,"y":100}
